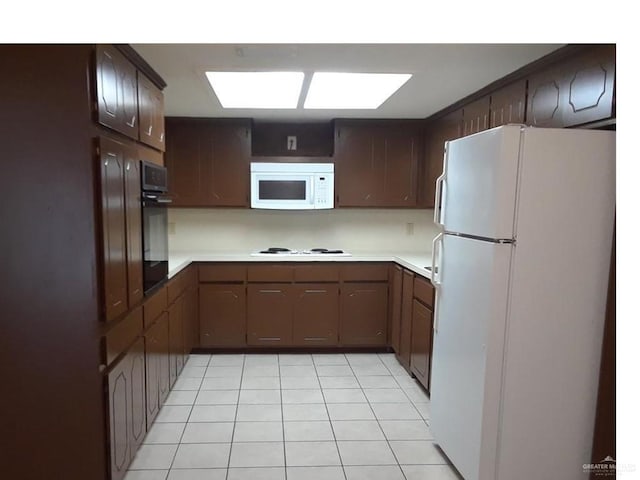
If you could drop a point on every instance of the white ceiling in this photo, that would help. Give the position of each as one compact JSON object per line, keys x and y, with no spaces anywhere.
{"x":442,"y":73}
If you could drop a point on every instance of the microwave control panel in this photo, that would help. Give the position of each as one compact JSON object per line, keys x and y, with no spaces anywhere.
{"x":323,"y":197}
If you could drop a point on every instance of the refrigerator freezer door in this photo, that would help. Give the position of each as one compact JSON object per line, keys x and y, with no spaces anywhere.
{"x":471,"y":309}
{"x":479,"y":187}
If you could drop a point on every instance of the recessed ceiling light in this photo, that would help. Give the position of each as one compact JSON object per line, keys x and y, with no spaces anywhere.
{"x":352,"y":90}
{"x":257,"y":89}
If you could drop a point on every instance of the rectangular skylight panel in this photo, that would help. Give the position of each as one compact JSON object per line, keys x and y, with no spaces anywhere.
{"x":257,"y":89}
{"x":352,"y":90}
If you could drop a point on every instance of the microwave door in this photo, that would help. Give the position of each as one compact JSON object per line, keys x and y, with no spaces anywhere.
{"x":288,"y":192}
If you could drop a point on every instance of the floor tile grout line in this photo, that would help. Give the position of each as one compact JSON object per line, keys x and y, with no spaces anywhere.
{"x":284,"y":446}
{"x":235,"y":419}
{"x":335,"y":440}
{"x":380,"y":427}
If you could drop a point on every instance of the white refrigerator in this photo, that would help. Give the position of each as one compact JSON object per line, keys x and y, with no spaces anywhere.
{"x":521,"y":271}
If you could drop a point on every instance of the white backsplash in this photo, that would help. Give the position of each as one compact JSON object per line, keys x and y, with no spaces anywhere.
{"x":246,"y":230}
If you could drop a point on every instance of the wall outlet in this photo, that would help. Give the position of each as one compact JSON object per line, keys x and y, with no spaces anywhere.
{"x":292,"y":143}
{"x":409,"y":228}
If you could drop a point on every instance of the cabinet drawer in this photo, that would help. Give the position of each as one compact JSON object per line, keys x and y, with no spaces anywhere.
{"x":222,"y":272}
{"x":365,"y":272}
{"x":123,"y":335}
{"x":423,"y":290}
{"x":154,"y":306}
{"x":316,"y":273}
{"x":270,"y":273}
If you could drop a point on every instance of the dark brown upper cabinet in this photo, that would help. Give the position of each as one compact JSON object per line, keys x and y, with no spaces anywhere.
{"x":133,"y":214}
{"x":576,"y":91}
{"x":151,"y":108}
{"x":117,"y":91}
{"x":476,"y":116}
{"x":508,"y":104}
{"x":286,"y":139}
{"x":438,"y":131}
{"x":208,"y":162}
{"x":377,"y":163}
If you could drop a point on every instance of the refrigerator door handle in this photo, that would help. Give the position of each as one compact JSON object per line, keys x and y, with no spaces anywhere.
{"x":437,"y":215}
{"x":435,"y":270}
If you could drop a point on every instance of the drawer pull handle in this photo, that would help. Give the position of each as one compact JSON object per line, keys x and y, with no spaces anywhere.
{"x":269,"y":339}
{"x":270,"y":291}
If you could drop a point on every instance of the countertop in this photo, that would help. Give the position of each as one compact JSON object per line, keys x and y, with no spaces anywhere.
{"x":414,"y":261}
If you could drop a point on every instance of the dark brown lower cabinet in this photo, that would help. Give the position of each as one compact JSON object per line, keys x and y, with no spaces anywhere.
{"x":421,"y":342}
{"x":127,"y":419}
{"x":192,"y":329}
{"x":396,"y":305}
{"x":223,"y":315}
{"x":363,"y":314}
{"x":315,"y":314}
{"x":157,"y":366}
{"x":269,"y":314}
{"x":176,"y":339}
{"x":404,"y":354}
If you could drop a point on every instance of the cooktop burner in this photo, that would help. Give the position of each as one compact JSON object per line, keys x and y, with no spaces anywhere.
{"x":313,"y":251}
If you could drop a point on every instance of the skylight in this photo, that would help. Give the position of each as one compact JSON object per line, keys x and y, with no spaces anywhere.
{"x":257,"y":89}
{"x":352,"y":90}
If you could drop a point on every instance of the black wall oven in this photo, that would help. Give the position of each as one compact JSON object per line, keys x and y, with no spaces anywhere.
{"x":155,"y":235}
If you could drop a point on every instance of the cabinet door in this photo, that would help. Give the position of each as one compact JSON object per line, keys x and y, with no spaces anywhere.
{"x":269,"y":314}
{"x":223,"y":315}
{"x":405,"y":319}
{"x":162,"y":334}
{"x":192,"y":330}
{"x":117,"y":91}
{"x":151,"y":107}
{"x":507,"y":104}
{"x":359,"y":159}
{"x":153,"y":352}
{"x":226,"y":155}
{"x":315,"y":314}
{"x":476,"y":116}
{"x":208,"y":162}
{"x":120,"y":422}
{"x":578,"y":90}
{"x":112,"y":208}
{"x":438,"y":132}
{"x":127,"y":424}
{"x":403,"y":148}
{"x":421,"y":338}
{"x":363,"y":314}
{"x":176,"y":339}
{"x":134,"y":226}
{"x":396,"y":307}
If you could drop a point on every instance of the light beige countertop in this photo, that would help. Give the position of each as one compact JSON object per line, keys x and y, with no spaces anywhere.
{"x":414,"y":261}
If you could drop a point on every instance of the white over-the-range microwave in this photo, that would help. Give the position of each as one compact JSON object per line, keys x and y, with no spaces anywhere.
{"x":292,"y":186}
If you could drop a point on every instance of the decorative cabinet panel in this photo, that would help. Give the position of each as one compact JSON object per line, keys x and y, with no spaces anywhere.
{"x":315,"y":314}
{"x":363,"y":314}
{"x":126,"y":403}
{"x":440,"y":131}
{"x":377,"y":163}
{"x":577,"y":91}
{"x":269,"y":314}
{"x":117,"y":91}
{"x":208,"y":162}
{"x":508,"y":104}
{"x":476,"y":116}
{"x":134,"y":228}
{"x":157,"y":365}
{"x":176,"y":339}
{"x":223,"y":315}
{"x":151,"y":107}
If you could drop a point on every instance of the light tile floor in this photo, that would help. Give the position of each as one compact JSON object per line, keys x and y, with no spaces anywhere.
{"x":292,"y":417}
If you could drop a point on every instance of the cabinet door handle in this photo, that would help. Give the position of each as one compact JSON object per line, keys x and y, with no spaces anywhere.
{"x":270,"y":291}
{"x":315,"y":291}
{"x":315,"y":338}
{"x":269,"y":339}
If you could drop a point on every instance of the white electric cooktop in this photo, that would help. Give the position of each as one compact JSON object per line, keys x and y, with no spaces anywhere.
{"x":279,"y":251}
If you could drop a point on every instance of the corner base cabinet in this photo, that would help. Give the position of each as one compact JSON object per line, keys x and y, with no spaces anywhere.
{"x":363,"y":314}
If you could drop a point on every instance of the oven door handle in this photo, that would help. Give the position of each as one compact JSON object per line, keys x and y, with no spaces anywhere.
{"x":155,"y":198}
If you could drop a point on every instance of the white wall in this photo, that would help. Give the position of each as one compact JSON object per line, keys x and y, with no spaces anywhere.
{"x":246,"y":230}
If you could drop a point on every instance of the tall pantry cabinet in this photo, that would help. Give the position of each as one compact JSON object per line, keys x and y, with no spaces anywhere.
{"x":72,"y":350}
